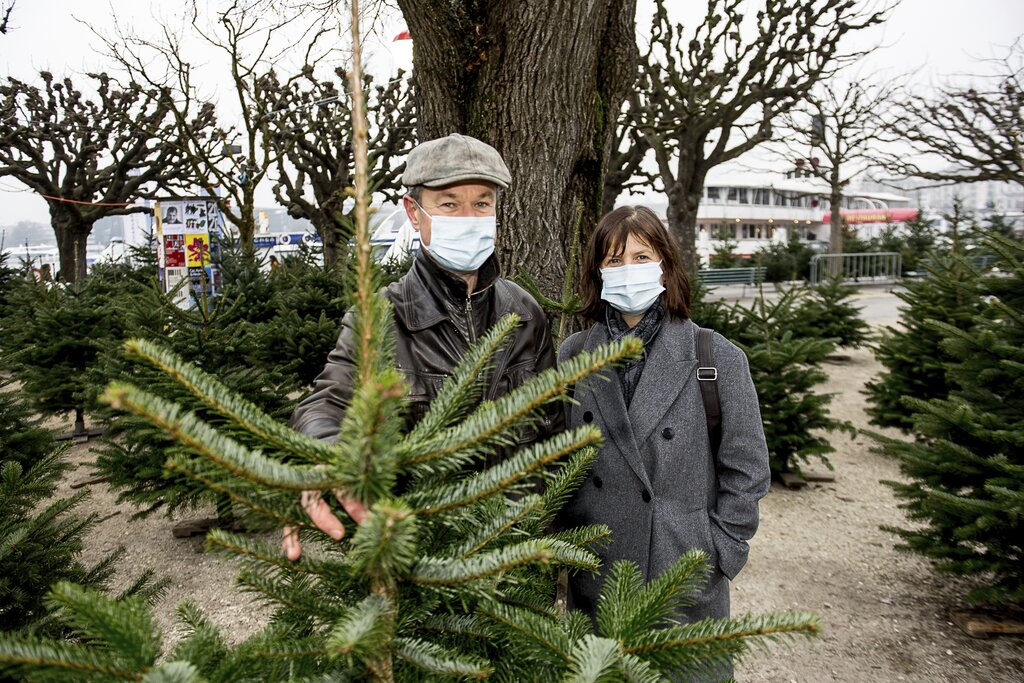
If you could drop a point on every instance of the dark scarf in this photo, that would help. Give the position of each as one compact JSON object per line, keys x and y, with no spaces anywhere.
{"x":646,"y":330}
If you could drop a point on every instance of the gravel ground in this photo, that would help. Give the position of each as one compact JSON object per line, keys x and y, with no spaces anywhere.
{"x":884,"y":613}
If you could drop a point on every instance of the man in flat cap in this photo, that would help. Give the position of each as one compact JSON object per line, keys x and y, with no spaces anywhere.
{"x":451,"y":296}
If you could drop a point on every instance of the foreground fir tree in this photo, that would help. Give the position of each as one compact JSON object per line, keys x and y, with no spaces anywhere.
{"x":449,"y":576}
{"x":966,"y":467}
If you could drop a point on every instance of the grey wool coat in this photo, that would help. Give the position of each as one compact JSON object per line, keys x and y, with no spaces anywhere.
{"x":655,"y":482}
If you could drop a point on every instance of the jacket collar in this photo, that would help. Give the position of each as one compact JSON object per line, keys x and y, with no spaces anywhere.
{"x":428,"y":291}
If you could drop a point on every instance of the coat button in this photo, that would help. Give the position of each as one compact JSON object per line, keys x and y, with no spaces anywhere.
{"x":668,"y":433}
{"x":598,"y":483}
{"x":646,"y":495}
{"x":588,"y":416}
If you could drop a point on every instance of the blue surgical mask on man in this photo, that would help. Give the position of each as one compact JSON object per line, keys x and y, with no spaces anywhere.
{"x":461,"y":243}
{"x":633,"y":288}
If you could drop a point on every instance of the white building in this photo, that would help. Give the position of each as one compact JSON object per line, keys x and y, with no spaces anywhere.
{"x":753,"y":210}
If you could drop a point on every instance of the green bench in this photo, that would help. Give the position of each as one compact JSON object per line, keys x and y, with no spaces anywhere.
{"x":732,"y":276}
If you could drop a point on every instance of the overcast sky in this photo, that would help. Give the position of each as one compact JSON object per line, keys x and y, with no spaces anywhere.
{"x":934,"y":37}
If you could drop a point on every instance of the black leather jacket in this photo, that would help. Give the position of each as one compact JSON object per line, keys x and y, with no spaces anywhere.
{"x":435,"y":323}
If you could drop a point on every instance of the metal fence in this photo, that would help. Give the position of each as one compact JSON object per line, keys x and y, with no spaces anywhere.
{"x":872,"y":267}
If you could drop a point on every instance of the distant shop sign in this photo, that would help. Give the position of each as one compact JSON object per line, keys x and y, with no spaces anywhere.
{"x":855,"y":216}
{"x":285,"y":239}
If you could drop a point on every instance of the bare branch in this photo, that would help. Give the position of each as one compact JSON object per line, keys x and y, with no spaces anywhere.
{"x":966,"y":133}
{"x":5,"y":15}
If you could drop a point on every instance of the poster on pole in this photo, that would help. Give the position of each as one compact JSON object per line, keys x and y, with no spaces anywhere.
{"x":188,"y":234}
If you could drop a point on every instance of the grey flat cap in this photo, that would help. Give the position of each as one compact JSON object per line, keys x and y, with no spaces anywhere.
{"x":453,"y":159}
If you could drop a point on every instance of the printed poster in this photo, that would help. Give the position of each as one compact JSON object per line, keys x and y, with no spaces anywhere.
{"x":188,"y":231}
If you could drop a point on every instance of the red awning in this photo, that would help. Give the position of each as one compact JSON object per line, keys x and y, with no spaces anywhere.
{"x":404,"y":35}
{"x":853,"y":216}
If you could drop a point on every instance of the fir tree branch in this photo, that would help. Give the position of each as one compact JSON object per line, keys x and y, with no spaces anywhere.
{"x":539,"y":629}
{"x":437,"y":660}
{"x":370,"y":442}
{"x":223,"y":401}
{"x":680,"y":639}
{"x":494,"y":421}
{"x":51,"y":656}
{"x":514,"y":512}
{"x":184,"y":467}
{"x":628,"y":605}
{"x":364,"y":631}
{"x":469,"y":625}
{"x":385,"y":546}
{"x":126,"y":626}
{"x":191,"y":431}
{"x":466,"y":384}
{"x":506,"y":473}
{"x":266,"y":554}
{"x":432,"y":571}
{"x":593,"y":660}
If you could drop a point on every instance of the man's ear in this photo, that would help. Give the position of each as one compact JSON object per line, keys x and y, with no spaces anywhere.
{"x":411,"y":212}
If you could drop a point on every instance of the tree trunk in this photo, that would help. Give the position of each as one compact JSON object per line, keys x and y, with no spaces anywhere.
{"x":835,"y":233}
{"x":681,"y":213}
{"x":71,"y":231}
{"x":543,"y":83}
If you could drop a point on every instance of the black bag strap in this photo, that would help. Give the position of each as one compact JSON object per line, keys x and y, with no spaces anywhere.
{"x":707,"y":378}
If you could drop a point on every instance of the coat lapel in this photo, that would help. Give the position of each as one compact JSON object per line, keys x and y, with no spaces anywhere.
{"x":607,"y":390}
{"x":670,"y":366}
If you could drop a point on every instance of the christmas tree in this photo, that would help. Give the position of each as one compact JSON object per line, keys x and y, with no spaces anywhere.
{"x":220,"y":334}
{"x":914,"y":359}
{"x":828,"y":313}
{"x":41,"y":540}
{"x":54,"y":333}
{"x":785,"y":357}
{"x":966,"y":465}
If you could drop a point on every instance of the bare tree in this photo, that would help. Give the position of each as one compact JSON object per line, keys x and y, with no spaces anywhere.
{"x":312,"y":140}
{"x":625,"y":170}
{"x":712,"y":94}
{"x":836,"y":134}
{"x":251,"y":38}
{"x":541,"y":81}
{"x":5,"y":14}
{"x":88,"y":158}
{"x":976,"y":130}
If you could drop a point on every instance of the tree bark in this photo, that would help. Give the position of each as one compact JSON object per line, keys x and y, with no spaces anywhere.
{"x":71,"y":232}
{"x":543,"y":83}
{"x":682,"y":221}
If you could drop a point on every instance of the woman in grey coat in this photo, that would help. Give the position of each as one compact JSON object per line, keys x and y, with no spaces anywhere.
{"x":656,"y":481}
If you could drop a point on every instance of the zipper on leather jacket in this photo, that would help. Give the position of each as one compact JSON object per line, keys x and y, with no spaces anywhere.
{"x":469,"y":321}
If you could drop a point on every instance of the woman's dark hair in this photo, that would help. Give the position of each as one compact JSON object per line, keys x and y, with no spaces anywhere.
{"x":610,"y":238}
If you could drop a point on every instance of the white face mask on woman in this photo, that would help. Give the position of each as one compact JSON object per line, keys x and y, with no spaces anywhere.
{"x":461,"y":243}
{"x":631,"y":289}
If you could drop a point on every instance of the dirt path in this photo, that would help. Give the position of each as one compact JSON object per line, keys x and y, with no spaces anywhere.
{"x":884,"y":613}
